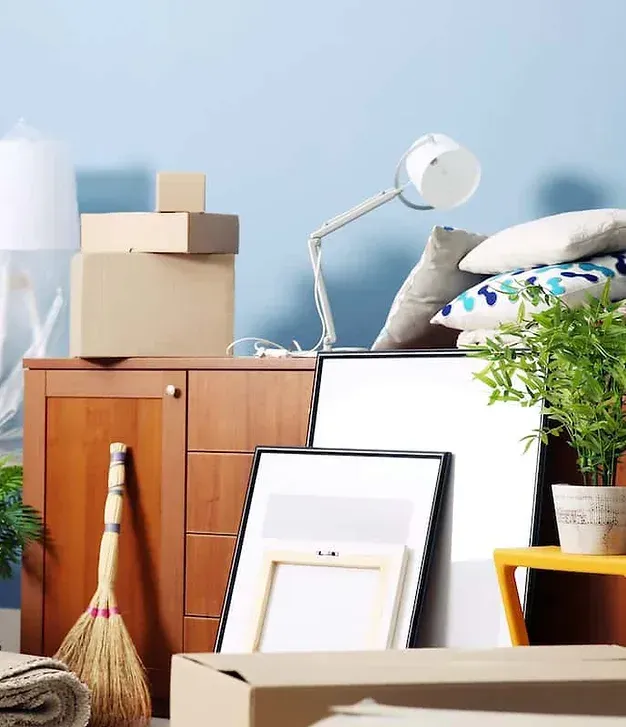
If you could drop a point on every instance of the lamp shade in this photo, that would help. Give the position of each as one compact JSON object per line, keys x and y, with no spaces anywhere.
{"x":38,"y":205}
{"x":445,"y":173}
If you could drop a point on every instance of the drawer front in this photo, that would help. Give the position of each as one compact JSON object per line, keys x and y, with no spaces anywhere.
{"x":234,"y":411}
{"x":200,"y":634}
{"x":209,"y":558}
{"x":216,"y":490}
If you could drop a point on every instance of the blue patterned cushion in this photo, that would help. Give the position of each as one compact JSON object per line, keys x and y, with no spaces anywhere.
{"x":487,"y":304}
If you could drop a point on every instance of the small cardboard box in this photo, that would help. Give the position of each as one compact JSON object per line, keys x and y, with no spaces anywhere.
{"x":176,"y":232}
{"x":180,"y":192}
{"x":144,"y":304}
{"x":296,"y":690}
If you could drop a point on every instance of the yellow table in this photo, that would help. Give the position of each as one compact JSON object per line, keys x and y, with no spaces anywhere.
{"x":507,"y":560}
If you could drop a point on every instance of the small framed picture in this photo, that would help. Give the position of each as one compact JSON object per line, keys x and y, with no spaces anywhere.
{"x":333,"y":551}
{"x":313,"y":600}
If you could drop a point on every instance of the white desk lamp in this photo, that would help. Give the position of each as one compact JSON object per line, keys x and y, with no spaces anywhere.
{"x":444,"y":173}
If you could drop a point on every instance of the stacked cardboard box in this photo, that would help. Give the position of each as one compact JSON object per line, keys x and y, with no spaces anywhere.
{"x":158,"y":283}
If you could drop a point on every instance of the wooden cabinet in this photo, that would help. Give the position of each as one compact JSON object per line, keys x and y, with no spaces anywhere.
{"x":191,"y":426}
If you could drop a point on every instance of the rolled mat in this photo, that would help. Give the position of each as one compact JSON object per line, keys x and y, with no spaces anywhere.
{"x":40,"y":691}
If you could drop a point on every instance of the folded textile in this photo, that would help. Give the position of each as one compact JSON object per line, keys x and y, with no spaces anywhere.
{"x":40,"y":691}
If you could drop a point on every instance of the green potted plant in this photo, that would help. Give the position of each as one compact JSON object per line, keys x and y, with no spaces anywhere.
{"x":573,"y":361}
{"x":20,"y":524}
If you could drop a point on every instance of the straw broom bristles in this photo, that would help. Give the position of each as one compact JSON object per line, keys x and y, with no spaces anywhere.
{"x":98,"y":648}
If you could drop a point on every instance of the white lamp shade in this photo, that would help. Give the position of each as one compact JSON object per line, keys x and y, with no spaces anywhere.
{"x":38,"y":205}
{"x":445,"y":173}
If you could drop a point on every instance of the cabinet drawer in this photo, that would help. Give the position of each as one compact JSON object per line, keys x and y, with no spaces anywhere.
{"x":206,"y":573}
{"x":200,"y":634}
{"x":237,"y":410}
{"x":216,"y":490}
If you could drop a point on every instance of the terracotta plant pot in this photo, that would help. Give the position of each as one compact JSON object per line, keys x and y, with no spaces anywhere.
{"x":591,"y":520}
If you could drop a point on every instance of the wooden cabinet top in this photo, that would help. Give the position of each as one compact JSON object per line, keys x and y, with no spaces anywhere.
{"x":171,"y":364}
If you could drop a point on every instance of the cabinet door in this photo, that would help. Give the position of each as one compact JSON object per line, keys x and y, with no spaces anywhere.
{"x":71,"y":417}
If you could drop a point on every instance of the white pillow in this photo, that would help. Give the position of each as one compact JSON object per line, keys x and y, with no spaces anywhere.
{"x":548,"y":240}
{"x":487,"y":305}
{"x":468,"y":339}
{"x":430,"y":285}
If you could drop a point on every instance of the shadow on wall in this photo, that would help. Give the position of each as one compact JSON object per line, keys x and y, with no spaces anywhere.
{"x":360,"y":301}
{"x":570,"y":193}
{"x":115,"y":190}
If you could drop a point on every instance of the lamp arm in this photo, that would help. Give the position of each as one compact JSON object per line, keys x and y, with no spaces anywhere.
{"x":322,"y":303}
{"x":378,"y":200}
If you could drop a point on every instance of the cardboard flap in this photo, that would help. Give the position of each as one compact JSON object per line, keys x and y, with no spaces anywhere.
{"x":377,"y":715}
{"x":423,"y":666}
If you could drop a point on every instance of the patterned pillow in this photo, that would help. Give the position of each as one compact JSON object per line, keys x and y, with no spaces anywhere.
{"x":487,"y":304}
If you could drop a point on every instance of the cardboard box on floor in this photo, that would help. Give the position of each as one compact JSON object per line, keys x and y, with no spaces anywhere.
{"x":142,"y":304}
{"x":362,"y":715}
{"x":296,"y":690}
{"x":174,"y":232}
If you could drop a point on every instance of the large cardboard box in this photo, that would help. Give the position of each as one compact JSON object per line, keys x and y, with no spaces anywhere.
{"x":296,"y":690}
{"x":175,"y":232}
{"x":144,"y":304}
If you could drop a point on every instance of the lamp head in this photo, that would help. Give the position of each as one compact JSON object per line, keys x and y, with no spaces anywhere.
{"x":444,"y":173}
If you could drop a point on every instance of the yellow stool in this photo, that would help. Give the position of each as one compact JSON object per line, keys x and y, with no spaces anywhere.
{"x":544,"y":558}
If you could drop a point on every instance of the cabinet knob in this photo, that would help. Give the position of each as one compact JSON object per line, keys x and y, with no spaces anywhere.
{"x":171,"y":390}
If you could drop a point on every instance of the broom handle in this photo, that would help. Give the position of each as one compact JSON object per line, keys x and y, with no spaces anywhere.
{"x":107,"y":564}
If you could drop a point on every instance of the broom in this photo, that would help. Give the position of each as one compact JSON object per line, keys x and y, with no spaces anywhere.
{"x":98,"y":648}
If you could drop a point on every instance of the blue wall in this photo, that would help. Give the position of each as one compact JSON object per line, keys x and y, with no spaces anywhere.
{"x":297,"y":110}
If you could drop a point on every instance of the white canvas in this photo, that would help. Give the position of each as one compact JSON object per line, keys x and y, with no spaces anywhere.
{"x":430,"y":400}
{"x":299,"y":486}
{"x":336,"y":600}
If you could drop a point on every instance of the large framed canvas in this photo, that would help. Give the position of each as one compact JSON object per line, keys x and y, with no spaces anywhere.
{"x":320,"y":502}
{"x":431,"y":400}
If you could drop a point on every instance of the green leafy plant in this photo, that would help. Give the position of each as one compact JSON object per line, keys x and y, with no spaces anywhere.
{"x":20,"y":524}
{"x":574,"y":361}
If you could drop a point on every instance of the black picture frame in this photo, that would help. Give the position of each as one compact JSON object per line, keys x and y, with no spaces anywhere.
{"x":540,"y":483}
{"x":433,"y":520}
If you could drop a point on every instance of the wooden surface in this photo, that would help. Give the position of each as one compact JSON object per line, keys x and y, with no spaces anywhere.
{"x":209,"y":558}
{"x":572,"y":608}
{"x":34,"y":456}
{"x":79,"y":428}
{"x":238,"y":410}
{"x":216,"y":490}
{"x":169,"y":364}
{"x":200,"y":634}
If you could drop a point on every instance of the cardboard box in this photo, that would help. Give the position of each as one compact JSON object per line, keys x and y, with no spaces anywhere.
{"x":375,"y":715}
{"x":144,"y":304}
{"x":296,"y":690}
{"x":180,"y":192}
{"x":176,"y":232}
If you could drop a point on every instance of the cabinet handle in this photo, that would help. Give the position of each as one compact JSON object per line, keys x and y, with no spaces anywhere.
{"x":171,"y":390}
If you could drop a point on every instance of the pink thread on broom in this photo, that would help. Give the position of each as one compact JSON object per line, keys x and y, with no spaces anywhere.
{"x":104,"y":612}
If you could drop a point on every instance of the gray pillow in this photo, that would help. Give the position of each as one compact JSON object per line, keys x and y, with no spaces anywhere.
{"x":432,"y":283}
